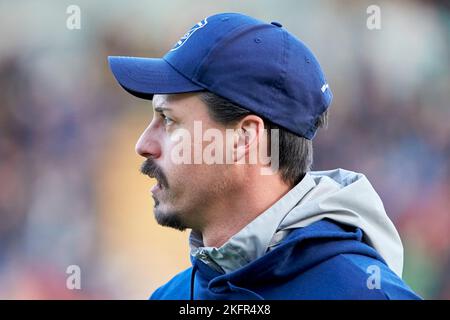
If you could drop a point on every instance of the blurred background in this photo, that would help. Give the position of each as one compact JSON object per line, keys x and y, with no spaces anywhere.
{"x":70,"y":188}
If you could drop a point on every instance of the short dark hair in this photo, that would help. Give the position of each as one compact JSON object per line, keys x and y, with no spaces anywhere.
{"x":295,"y":152}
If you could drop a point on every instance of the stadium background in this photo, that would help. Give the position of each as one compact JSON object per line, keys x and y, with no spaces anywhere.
{"x":70,"y":189}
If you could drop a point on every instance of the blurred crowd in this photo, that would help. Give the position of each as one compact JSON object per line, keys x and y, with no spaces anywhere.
{"x":59,"y":144}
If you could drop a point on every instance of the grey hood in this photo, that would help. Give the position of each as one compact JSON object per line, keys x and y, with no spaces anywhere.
{"x":340,"y":195}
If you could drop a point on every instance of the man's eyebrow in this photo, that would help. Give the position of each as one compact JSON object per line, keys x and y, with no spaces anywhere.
{"x":160,"y":105}
{"x":161,"y":109}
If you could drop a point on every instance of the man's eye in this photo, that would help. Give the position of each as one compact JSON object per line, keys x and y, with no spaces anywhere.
{"x":167,"y":120}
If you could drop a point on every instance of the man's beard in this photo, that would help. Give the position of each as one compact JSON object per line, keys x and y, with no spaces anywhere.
{"x":165,"y":219}
{"x":169,"y":219}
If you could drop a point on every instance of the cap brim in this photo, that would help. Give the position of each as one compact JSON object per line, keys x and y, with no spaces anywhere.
{"x":144,"y":77}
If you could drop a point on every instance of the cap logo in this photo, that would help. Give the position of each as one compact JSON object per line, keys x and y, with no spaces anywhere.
{"x":188,"y":34}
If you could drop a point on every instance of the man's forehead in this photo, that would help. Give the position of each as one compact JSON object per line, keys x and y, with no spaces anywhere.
{"x":159,"y":100}
{"x":172,"y":101}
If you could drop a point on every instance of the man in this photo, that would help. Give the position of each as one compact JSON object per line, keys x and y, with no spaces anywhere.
{"x":260,"y":229}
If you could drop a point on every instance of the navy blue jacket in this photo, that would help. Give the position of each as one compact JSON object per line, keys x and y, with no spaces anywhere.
{"x":324,"y":260}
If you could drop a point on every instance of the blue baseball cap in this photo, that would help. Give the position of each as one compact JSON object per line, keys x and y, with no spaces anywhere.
{"x":256,"y":65}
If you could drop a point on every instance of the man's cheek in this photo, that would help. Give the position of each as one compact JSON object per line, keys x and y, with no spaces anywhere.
{"x":179,"y":147}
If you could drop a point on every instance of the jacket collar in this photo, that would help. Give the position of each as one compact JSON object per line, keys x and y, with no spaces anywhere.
{"x":255,"y":239}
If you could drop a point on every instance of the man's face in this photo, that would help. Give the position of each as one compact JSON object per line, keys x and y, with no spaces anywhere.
{"x":185,"y":191}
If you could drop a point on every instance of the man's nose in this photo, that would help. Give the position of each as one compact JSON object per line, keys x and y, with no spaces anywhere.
{"x":147,"y":145}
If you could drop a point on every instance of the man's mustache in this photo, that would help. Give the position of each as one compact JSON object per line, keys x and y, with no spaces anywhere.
{"x":149,"y":168}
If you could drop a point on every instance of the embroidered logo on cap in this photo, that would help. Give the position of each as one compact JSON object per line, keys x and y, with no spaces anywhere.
{"x":187,"y":35}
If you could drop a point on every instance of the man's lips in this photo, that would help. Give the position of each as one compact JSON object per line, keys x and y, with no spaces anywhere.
{"x":156,"y":187}
{"x":150,"y":169}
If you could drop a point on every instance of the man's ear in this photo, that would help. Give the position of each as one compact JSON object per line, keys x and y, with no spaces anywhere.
{"x":247,"y":137}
